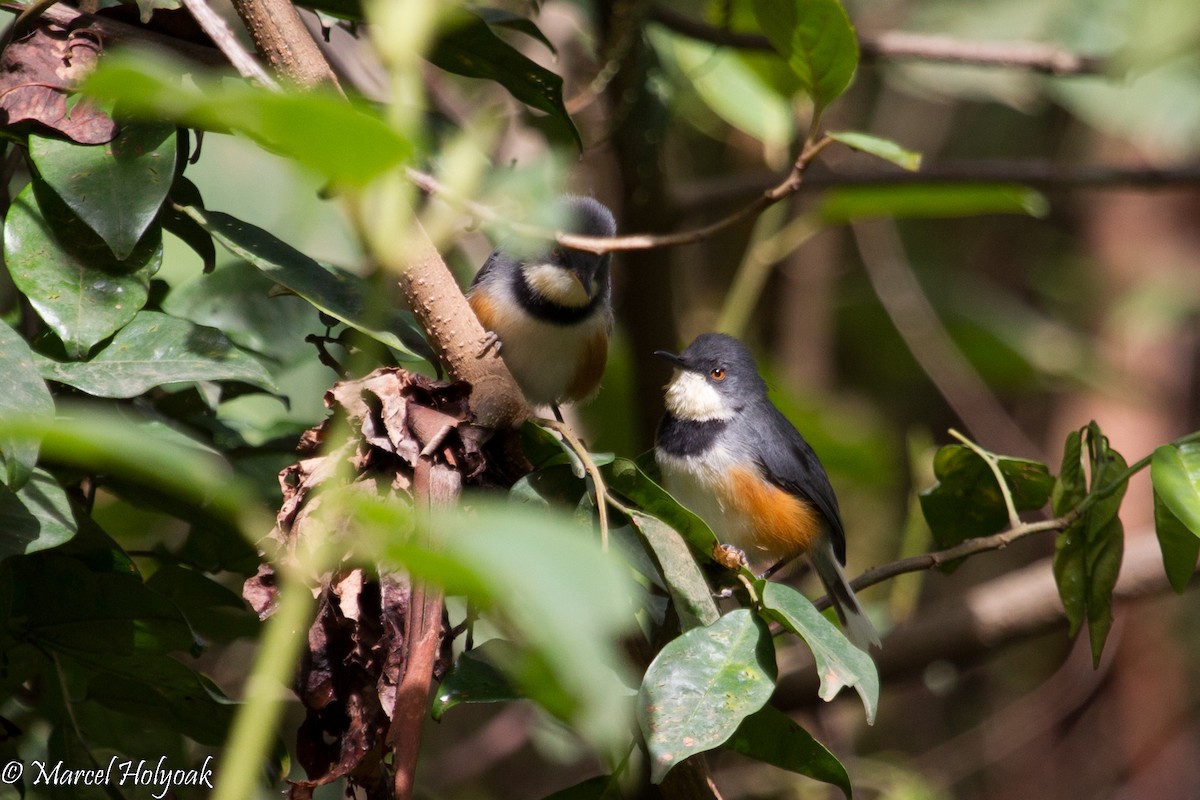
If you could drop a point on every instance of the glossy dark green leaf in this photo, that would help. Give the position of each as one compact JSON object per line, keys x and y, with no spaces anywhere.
{"x":155,"y":350}
{"x":625,"y":478}
{"x":770,"y":735}
{"x":22,"y":391}
{"x":477,"y":677}
{"x":683,"y":577}
{"x":929,"y":201}
{"x":1180,"y":546}
{"x":967,"y":502}
{"x":116,"y":188}
{"x":69,"y":274}
{"x":702,"y":685}
{"x":839,"y":663}
{"x":321,"y":131}
{"x":817,"y":41}
{"x":336,"y":292}
{"x":503,"y":18}
{"x":36,"y":517}
{"x":467,"y":46}
{"x":879,"y":147}
{"x":1088,"y":553}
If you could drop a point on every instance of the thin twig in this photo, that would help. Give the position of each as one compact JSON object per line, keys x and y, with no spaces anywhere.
{"x":642,"y":241}
{"x":589,"y":466}
{"x":216,"y":28}
{"x":900,"y":45}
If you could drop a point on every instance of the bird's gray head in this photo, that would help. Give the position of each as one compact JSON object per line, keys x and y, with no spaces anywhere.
{"x":714,"y":378}
{"x":566,"y":276}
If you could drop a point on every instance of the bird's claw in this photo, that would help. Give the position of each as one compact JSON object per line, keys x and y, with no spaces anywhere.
{"x":489,"y":342}
{"x":728,"y":556}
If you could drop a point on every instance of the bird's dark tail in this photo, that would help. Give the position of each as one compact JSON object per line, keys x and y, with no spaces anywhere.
{"x":855,"y":622}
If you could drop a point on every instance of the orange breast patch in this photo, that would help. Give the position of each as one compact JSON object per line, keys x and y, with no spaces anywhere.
{"x":483,"y":309}
{"x":782,"y":524}
{"x":591,"y":368}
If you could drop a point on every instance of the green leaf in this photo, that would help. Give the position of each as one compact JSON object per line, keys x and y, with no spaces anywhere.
{"x":336,"y":292}
{"x":212,"y":610}
{"x":1071,"y":486}
{"x":684,"y":579}
{"x":477,"y":677}
{"x":37,"y":517}
{"x":116,"y":188}
{"x":539,"y":575}
{"x":930,"y":201}
{"x":1180,"y":546}
{"x":771,"y":736}
{"x":22,"y":391}
{"x":1088,"y":553}
{"x":341,"y":141}
{"x":839,"y":663}
{"x":69,"y":274}
{"x":467,"y":46}
{"x":817,"y":41}
{"x":702,"y":685}
{"x":966,"y":502}
{"x":880,"y":148}
{"x":503,"y":18}
{"x":155,"y":350}
{"x":597,"y":788}
{"x":1175,"y":473}
{"x":625,"y":478}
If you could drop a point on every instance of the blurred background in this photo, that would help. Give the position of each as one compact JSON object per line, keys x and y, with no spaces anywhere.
{"x":1044,"y":272}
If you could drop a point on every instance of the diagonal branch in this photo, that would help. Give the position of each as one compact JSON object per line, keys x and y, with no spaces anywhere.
{"x":213,"y":25}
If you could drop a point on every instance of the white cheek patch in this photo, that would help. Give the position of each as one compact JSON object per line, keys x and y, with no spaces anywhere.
{"x":691,"y":397}
{"x":557,"y":285}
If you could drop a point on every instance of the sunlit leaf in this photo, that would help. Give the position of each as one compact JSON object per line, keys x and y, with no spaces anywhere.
{"x":816,"y":39}
{"x":155,"y":350}
{"x":880,"y":148}
{"x":1180,"y":546}
{"x":476,"y":677}
{"x":22,"y":391}
{"x":69,"y":274}
{"x":702,"y":685}
{"x":625,"y":478}
{"x":1175,"y":472}
{"x":323,"y":132}
{"x":839,"y":663}
{"x":116,"y":188}
{"x":771,"y":736}
{"x":690,"y":592}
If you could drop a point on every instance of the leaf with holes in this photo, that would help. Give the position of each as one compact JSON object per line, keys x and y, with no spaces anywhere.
{"x":702,"y":685}
{"x":839,"y":663}
{"x":116,"y":188}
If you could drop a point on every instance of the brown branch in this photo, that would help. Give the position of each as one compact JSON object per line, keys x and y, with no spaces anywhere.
{"x":434,"y":486}
{"x":899,"y":45}
{"x":114,"y":31}
{"x":643,"y":241}
{"x":213,"y":25}
{"x":285,"y":43}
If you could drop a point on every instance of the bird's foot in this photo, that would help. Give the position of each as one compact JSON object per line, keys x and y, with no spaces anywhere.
{"x":490,"y":341}
{"x":729,"y":557}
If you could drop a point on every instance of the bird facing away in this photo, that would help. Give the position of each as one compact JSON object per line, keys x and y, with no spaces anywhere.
{"x":551,"y":313}
{"x":728,"y":454}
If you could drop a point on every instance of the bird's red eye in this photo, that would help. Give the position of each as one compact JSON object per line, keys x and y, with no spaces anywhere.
{"x":717,"y":373}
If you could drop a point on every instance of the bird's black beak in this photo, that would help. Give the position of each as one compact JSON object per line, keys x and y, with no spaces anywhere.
{"x":671,"y":357}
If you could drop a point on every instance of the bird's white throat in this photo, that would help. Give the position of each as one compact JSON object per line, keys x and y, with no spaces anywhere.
{"x":689,"y":396}
{"x":558,"y":285}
